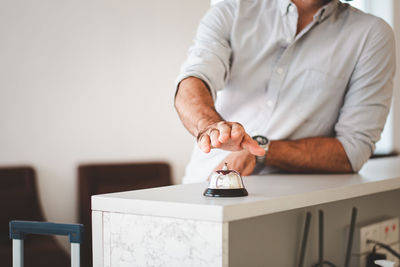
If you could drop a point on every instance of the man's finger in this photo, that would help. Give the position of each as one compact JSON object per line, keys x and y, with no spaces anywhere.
{"x":204,"y":143}
{"x":237,"y":131}
{"x":224,"y":132}
{"x":214,"y":135}
{"x":252,"y":146}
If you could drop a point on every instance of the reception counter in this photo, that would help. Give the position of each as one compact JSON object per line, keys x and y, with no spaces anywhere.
{"x":178,"y":226}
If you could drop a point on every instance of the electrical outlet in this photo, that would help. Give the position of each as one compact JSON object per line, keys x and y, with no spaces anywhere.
{"x":389,"y":231}
{"x":384,"y":231}
{"x":371,"y":231}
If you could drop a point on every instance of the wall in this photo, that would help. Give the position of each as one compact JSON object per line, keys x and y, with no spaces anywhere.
{"x":91,"y":81}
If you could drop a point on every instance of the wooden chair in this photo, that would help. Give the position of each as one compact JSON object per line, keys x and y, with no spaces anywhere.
{"x":108,"y":178}
{"x":19,"y":201}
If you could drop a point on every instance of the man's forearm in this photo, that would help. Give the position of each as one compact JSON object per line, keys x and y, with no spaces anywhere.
{"x":195,"y":105}
{"x":318,"y":154}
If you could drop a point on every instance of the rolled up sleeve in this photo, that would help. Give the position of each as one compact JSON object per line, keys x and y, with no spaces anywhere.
{"x":368,"y":98}
{"x":209,"y":58}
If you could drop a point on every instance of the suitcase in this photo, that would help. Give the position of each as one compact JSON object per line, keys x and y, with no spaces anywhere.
{"x":19,"y":230}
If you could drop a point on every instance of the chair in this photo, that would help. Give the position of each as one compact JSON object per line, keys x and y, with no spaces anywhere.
{"x":108,"y":178}
{"x":19,"y":201}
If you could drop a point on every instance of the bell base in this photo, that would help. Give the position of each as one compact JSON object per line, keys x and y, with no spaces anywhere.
{"x":238,"y":192}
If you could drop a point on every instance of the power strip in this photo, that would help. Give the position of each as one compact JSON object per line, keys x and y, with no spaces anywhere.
{"x":385,"y":231}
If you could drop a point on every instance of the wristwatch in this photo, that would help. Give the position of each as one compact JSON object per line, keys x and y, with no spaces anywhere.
{"x":264,"y":143}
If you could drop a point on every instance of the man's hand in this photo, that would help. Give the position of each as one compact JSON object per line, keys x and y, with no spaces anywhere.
{"x":196,"y":109}
{"x":229,"y":136}
{"x":241,"y":161}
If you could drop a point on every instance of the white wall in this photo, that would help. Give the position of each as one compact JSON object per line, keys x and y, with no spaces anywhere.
{"x":91,"y":81}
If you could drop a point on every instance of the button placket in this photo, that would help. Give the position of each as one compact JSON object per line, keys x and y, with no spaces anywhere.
{"x":291,"y":21}
{"x":277,"y":79}
{"x":275,"y":82}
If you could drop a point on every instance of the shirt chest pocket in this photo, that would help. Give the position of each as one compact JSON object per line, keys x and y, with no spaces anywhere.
{"x":319,"y":82}
{"x":321,"y":96}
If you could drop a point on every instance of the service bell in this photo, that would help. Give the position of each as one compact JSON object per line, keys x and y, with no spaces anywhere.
{"x":225,"y":183}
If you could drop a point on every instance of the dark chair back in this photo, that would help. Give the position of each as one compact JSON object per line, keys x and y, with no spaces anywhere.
{"x":108,"y":178}
{"x":19,"y":201}
{"x":18,"y":197}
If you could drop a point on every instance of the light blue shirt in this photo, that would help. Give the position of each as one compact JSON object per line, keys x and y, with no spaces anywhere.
{"x":332,"y":79}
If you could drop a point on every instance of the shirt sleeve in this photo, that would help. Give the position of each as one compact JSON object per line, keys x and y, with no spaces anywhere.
{"x":209,"y":58}
{"x":368,"y":98}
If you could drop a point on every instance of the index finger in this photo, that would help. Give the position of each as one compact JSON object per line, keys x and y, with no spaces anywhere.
{"x":252,"y":146}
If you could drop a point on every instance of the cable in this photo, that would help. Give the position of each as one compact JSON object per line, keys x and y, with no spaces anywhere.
{"x":321,"y":237}
{"x":321,"y":261}
{"x":351,"y":234}
{"x":304,"y":241}
{"x":387,"y":247}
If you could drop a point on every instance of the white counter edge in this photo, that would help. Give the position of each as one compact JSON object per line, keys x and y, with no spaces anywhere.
{"x":240,"y":211}
{"x":158,"y":208}
{"x":291,"y":202}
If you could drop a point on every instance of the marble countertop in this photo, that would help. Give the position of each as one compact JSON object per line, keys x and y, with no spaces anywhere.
{"x":267,"y":194}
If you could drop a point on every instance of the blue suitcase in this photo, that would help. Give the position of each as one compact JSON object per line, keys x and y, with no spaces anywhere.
{"x":18,"y":230}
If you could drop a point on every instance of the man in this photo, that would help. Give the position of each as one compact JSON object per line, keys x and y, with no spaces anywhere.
{"x":314,"y":77}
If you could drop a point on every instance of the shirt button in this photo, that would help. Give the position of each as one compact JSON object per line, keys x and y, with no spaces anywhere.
{"x":289,"y":40}
{"x":279,"y":70}
{"x":270,"y":103}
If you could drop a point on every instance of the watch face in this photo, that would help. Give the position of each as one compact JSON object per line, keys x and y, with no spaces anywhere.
{"x":261,"y":140}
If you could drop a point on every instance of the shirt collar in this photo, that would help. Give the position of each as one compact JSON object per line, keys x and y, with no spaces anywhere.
{"x":284,"y":6}
{"x":321,"y":14}
{"x":326,"y":10}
